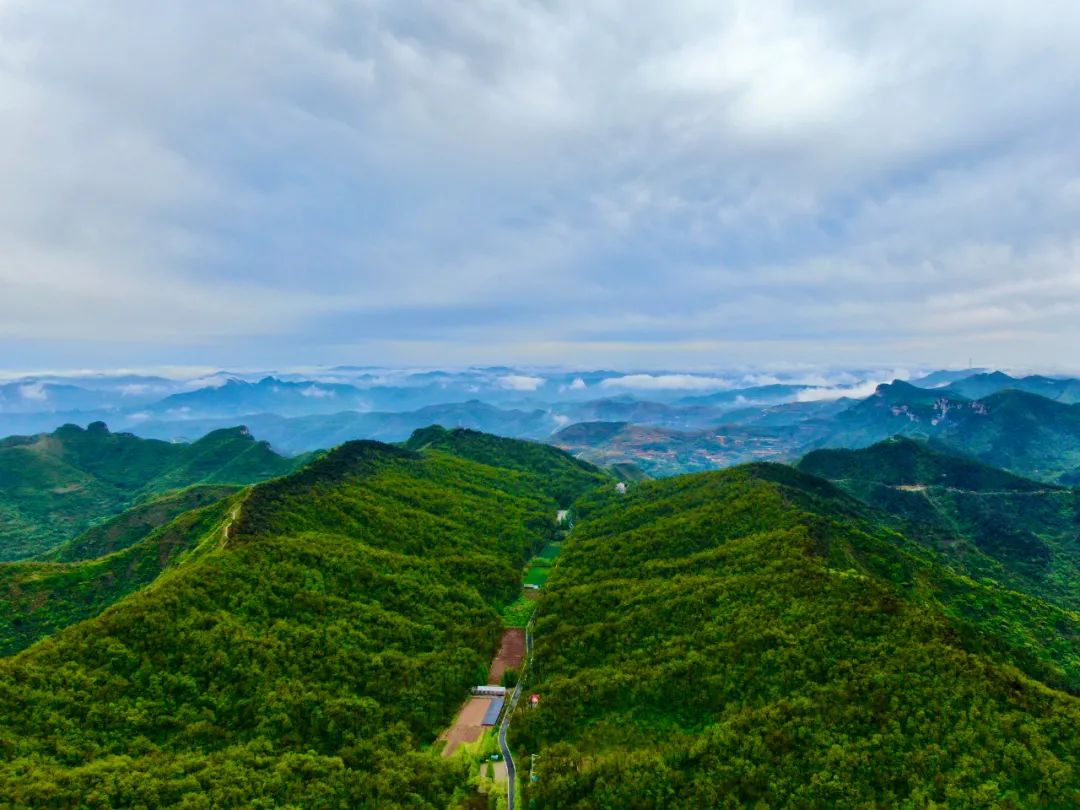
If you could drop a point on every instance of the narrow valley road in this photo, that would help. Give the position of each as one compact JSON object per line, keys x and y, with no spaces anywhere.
{"x":511,"y":768}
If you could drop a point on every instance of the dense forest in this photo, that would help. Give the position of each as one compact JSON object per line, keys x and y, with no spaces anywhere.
{"x":303,"y":654}
{"x":757,"y":637}
{"x":894,"y":626}
{"x":39,"y":598}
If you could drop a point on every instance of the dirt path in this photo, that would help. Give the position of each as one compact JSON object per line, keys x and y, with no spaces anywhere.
{"x":511,"y":654}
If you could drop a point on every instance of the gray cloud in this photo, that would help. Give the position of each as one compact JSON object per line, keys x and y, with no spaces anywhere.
{"x":689,"y":183}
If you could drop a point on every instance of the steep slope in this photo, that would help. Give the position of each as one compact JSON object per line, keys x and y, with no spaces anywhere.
{"x":755,"y":637}
{"x":1024,"y":433}
{"x":132,"y":525}
{"x":895,"y":408}
{"x":986,"y":522}
{"x":302,"y":657}
{"x":39,"y":598}
{"x":54,"y":486}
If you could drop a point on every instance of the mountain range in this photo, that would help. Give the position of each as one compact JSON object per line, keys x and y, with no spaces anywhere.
{"x":894,"y":625}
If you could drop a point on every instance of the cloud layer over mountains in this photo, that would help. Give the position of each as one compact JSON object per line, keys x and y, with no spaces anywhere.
{"x":449,"y":182}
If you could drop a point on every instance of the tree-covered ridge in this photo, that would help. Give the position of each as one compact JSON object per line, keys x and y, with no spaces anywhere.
{"x":563,"y":476}
{"x":1022,"y":432}
{"x":55,"y":486}
{"x":901,"y":461}
{"x":756,"y":637}
{"x":302,"y":658}
{"x":132,"y":525}
{"x":987,"y":523}
{"x":39,"y":598}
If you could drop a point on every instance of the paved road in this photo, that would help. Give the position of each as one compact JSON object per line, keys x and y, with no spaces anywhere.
{"x":511,"y":768}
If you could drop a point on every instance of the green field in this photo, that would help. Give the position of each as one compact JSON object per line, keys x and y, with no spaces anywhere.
{"x":518,"y":612}
{"x":540,"y":566}
{"x":549,"y":552}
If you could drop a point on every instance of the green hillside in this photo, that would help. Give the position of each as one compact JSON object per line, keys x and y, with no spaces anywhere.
{"x":978,"y":386}
{"x":1024,"y":433}
{"x":132,"y":525}
{"x":565,"y":476}
{"x":303,"y":657}
{"x":906,"y":462}
{"x":754,"y":637}
{"x":55,"y":486}
{"x":39,"y":598}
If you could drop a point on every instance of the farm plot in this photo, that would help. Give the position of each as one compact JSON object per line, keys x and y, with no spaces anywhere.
{"x":468,"y":726}
{"x":511,"y":654}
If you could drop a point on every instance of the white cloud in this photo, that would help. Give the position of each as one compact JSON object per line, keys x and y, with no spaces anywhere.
{"x":665,"y":382}
{"x":35,"y":391}
{"x":860,"y":391}
{"x":578,"y":384}
{"x":704,"y":182}
{"x":520,"y":382}
{"x":315,"y":392}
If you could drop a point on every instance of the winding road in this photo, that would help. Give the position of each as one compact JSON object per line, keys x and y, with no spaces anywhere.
{"x":511,"y":768}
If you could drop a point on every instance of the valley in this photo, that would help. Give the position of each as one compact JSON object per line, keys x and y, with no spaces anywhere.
{"x":363,"y":626}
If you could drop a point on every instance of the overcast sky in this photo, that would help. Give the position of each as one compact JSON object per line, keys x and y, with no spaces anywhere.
{"x":688,"y":184}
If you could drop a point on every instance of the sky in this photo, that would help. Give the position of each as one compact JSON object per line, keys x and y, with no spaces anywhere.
{"x":635,"y":184}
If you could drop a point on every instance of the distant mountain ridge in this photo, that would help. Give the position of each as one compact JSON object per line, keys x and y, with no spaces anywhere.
{"x":1022,"y":432}
{"x":53,"y":486}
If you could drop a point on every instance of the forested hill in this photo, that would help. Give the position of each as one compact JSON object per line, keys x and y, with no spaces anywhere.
{"x":985,"y":522}
{"x":299,"y":655}
{"x":902,"y":461}
{"x":54,"y":486}
{"x":565,"y":477}
{"x":1022,"y":432}
{"x":755,"y":637}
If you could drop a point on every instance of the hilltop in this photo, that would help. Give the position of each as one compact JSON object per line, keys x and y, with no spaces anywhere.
{"x":54,"y":486}
{"x":1025,"y":433}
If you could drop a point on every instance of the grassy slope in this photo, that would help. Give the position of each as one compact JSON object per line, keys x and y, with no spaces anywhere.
{"x":302,"y":662}
{"x":754,"y":636}
{"x":54,"y":486}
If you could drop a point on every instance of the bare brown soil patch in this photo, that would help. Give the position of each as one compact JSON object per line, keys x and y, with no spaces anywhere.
{"x":466,"y":728}
{"x":511,"y":654}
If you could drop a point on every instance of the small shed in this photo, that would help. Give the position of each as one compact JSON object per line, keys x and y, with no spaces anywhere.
{"x":491,"y":716}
